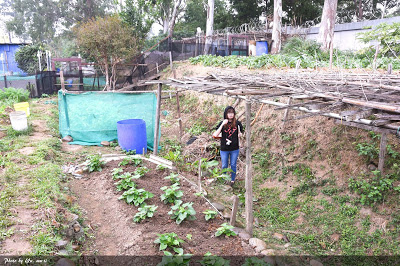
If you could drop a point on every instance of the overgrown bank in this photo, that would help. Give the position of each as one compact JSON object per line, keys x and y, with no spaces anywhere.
{"x":316,"y":188}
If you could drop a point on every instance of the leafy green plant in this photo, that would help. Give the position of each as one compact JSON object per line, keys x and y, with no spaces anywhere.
{"x":211,"y":260}
{"x":136,"y":196}
{"x":146,"y":211}
{"x":221,"y":175}
{"x":371,"y":190}
{"x":125,"y":182}
{"x":173,"y":156}
{"x":181,"y":212}
{"x":130,"y":152}
{"x":369,"y":150}
{"x":141,"y":171}
{"x":173,"y":178}
{"x":170,"y":240}
{"x":130,"y":160}
{"x":95,"y":163}
{"x":161,"y":167}
{"x":171,"y":193}
{"x":205,"y":164}
{"x":197,"y":129}
{"x":116,"y":172}
{"x":225,"y":229}
{"x":210,"y":214}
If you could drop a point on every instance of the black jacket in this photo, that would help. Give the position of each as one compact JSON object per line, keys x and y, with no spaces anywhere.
{"x":230,"y":135}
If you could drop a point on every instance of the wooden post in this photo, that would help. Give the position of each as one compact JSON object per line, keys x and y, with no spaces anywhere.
{"x":234,"y":210}
{"x":5,"y":81}
{"x":249,"y":180}
{"x":285,"y":115}
{"x":389,"y":70}
{"x":382,"y":152}
{"x":178,"y":109}
{"x":157,"y":125}
{"x":172,"y":65}
{"x":199,"y":179}
{"x":62,"y":80}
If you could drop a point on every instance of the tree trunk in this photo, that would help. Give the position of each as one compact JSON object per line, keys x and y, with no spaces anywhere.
{"x":277,"y":27}
{"x":165,"y":25}
{"x":173,"y":18}
{"x":326,"y":30}
{"x":210,"y":26}
{"x":108,"y":84}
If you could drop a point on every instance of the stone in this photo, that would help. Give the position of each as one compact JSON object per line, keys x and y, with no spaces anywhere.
{"x":226,"y":214}
{"x":62,"y":252}
{"x":227,"y":188}
{"x":316,"y":263}
{"x":71,"y":218}
{"x":268,"y":252}
{"x":65,"y":262}
{"x":287,"y":245}
{"x":61,"y":244}
{"x":371,"y":167}
{"x":257,"y":244}
{"x":238,"y":230}
{"x":218,"y":206}
{"x":105,"y":143}
{"x":67,"y":139}
{"x":77,"y":227}
{"x":76,"y":247}
{"x":335,"y":237}
{"x":280,"y":237}
{"x":79,"y":171}
{"x":117,"y":148}
{"x":244,"y":236}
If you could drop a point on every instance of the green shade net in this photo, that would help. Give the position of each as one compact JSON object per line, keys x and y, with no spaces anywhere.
{"x":91,"y":117}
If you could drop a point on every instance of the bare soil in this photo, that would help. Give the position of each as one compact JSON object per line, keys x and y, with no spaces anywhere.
{"x":117,"y":234}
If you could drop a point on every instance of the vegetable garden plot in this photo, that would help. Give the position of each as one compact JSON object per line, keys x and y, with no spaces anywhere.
{"x":117,"y":233}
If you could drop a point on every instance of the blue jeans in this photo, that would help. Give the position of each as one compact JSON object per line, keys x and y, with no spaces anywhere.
{"x":225,"y":157}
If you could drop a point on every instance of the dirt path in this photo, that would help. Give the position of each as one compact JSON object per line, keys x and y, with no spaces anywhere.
{"x":25,"y":216}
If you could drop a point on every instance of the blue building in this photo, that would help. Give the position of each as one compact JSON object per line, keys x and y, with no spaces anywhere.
{"x":7,"y":58}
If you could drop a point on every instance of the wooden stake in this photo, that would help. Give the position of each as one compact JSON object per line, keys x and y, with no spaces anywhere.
{"x":157,"y":125}
{"x":62,"y":80}
{"x":249,"y":180}
{"x":178,"y":109}
{"x":389,"y":70}
{"x":234,"y":210}
{"x":172,"y":65}
{"x":285,"y":115}
{"x":382,"y":152}
{"x":199,"y":179}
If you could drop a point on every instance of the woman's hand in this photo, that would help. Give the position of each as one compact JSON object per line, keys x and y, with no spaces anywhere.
{"x":225,"y":122}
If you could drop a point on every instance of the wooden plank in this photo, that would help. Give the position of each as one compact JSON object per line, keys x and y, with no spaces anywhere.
{"x":365,"y":127}
{"x":157,"y":124}
{"x":234,"y":210}
{"x":382,"y":153}
{"x":285,"y":115}
{"x":249,"y":178}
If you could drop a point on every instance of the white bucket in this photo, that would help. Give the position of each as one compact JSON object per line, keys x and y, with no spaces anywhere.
{"x":19,"y":121}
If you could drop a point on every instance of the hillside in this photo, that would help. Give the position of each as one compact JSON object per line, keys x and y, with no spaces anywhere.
{"x":316,"y":191}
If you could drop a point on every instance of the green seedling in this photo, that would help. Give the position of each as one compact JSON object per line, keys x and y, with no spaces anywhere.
{"x":171,"y":193}
{"x":125,"y":182}
{"x":170,"y":240}
{"x":136,"y":196}
{"x":95,"y":163}
{"x":225,"y":229}
{"x":141,"y":171}
{"x":147,"y":211}
{"x":211,"y":260}
{"x":180,"y":212}
{"x":173,"y":178}
{"x":210,"y":214}
{"x":161,"y":167}
{"x":116,"y":173}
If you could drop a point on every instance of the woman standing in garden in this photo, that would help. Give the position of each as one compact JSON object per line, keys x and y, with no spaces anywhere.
{"x":230,"y":130}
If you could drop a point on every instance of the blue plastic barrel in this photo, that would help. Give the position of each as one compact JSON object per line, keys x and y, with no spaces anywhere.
{"x":132,"y":135}
{"x":261,"y":47}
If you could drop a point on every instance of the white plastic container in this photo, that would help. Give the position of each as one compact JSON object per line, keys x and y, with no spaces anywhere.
{"x":19,"y":121}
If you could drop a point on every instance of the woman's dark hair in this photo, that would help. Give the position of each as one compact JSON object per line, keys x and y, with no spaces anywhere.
{"x":230,"y":109}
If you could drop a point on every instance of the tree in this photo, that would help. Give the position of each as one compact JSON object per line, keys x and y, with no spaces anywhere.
{"x":326,"y":29}
{"x":276,"y":30}
{"x":246,"y":11}
{"x":138,"y":15}
{"x":40,"y":19}
{"x":209,"y":26}
{"x":109,"y":41}
{"x":298,"y":12}
{"x":27,"y":60}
